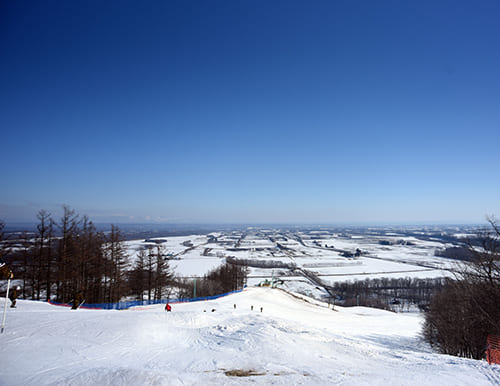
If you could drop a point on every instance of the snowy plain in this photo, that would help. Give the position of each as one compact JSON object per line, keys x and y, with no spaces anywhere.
{"x":317,"y":252}
{"x":294,"y":340}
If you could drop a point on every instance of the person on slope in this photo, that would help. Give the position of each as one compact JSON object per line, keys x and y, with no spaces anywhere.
{"x":5,"y":272}
{"x":168,"y":308}
{"x":77,"y":301}
{"x":13,"y":296}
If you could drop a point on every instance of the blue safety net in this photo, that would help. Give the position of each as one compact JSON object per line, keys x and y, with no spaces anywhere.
{"x":137,"y":303}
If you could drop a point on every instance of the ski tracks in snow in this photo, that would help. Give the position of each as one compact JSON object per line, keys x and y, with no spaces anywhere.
{"x":290,"y":342}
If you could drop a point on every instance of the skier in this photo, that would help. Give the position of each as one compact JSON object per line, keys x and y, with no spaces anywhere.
{"x":168,"y":308}
{"x":5,"y":272}
{"x":77,"y":301}
{"x":13,"y":297}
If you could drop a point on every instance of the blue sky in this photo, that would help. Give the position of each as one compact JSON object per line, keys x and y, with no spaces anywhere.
{"x":251,"y":111}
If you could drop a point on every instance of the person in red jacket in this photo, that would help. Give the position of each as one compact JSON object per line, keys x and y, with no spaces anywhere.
{"x":168,"y":308}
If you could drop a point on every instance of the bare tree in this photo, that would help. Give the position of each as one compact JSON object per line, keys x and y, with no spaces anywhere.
{"x":118,"y":261}
{"x":27,"y":270}
{"x":88,"y":279}
{"x":163,"y":275}
{"x":137,"y":277}
{"x":463,"y":314}
{"x":68,"y":226}
{"x":43,"y":254}
{"x":150,"y":269}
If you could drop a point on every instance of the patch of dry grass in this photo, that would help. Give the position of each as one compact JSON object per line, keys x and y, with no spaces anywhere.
{"x":242,"y":373}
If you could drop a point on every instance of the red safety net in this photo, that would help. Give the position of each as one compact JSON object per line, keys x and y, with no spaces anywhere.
{"x":493,"y":349}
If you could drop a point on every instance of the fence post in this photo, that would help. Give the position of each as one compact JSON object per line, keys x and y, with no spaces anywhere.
{"x":5,"y":307}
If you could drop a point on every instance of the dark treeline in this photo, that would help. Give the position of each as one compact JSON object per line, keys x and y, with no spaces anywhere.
{"x":456,"y":253}
{"x":261,"y":263}
{"x":388,"y":293}
{"x":226,"y":278}
{"x":70,"y":256}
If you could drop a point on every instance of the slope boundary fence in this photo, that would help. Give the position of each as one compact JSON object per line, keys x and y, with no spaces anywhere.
{"x":493,"y":349}
{"x":137,"y":303}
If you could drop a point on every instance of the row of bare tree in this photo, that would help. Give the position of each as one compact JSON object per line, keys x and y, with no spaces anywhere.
{"x":70,"y":256}
{"x":225,"y":278}
{"x":388,"y":293}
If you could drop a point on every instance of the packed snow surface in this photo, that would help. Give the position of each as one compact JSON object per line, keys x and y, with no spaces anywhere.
{"x":294,"y":340}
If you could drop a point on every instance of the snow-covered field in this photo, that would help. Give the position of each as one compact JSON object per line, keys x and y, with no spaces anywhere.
{"x":389,"y":255}
{"x":294,"y":340}
{"x":188,"y":261}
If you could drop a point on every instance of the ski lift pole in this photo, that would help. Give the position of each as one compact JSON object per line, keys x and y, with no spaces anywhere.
{"x":5,"y":306}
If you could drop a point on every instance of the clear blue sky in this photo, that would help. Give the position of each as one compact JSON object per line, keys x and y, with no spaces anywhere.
{"x":251,"y":111}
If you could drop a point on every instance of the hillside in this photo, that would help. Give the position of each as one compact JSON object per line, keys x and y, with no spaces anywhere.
{"x":294,"y":340}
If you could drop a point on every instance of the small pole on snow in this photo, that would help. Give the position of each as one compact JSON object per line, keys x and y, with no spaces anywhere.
{"x":5,"y":306}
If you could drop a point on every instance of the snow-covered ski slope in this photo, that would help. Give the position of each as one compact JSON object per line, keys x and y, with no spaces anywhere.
{"x":294,"y":340}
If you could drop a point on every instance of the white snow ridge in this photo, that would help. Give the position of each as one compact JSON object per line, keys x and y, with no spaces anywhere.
{"x":294,"y":341}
